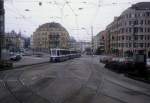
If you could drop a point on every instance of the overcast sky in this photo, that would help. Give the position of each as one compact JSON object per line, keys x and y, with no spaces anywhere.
{"x":27,"y":15}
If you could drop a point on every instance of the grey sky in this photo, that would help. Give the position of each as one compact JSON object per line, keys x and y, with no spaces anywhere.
{"x":27,"y":15}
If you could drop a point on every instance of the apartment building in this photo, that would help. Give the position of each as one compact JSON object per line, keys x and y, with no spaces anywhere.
{"x":130,"y":32}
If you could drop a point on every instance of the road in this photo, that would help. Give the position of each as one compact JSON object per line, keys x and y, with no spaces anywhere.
{"x":81,"y":80}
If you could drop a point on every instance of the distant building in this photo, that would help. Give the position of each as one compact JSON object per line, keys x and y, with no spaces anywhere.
{"x":100,"y":42}
{"x":72,"y":43}
{"x":130,"y":32}
{"x":27,"y":42}
{"x":50,"y":35}
{"x":82,"y":45}
{"x":14,"y":41}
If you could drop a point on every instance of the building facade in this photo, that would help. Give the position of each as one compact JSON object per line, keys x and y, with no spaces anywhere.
{"x":82,"y":45}
{"x":50,"y":35}
{"x":130,"y":32}
{"x":14,"y":42}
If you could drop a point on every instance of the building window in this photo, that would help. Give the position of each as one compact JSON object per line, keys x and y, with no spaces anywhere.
{"x":141,"y":29}
{"x":130,"y":30}
{"x":141,"y":22}
{"x":136,"y":22}
{"x":126,"y":44}
{"x":129,"y":37}
{"x":148,"y":22}
{"x":121,"y":30}
{"x":141,"y":37}
{"x":122,"y":37}
{"x":132,"y":15}
{"x":130,"y":22}
{"x":148,"y":45}
{"x":136,"y":37}
{"x":145,"y":30}
{"x":135,"y":15}
{"x":1,"y":28}
{"x":148,"y":30}
{"x":145,"y":22}
{"x":147,"y":13}
{"x":135,"y":44}
{"x":145,"y":37}
{"x":145,"y":45}
{"x":125,"y":23}
{"x":141,"y":45}
{"x":135,"y":30}
{"x":119,"y":37}
{"x":126,"y":30}
{"x":130,"y":45}
{"x":1,"y":17}
{"x":138,"y":14}
{"x":127,"y":16}
{"x":122,"y":44}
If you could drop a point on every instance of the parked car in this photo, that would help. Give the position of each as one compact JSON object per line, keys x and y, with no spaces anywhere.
{"x":128,"y":60}
{"x":120,"y":65}
{"x":148,"y":62}
{"x":15,"y":57}
{"x":105,"y":59}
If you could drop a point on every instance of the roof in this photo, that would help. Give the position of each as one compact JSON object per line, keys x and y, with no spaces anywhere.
{"x":141,"y":6}
{"x":52,"y":25}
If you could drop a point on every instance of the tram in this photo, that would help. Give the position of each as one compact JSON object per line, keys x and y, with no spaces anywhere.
{"x":59,"y":55}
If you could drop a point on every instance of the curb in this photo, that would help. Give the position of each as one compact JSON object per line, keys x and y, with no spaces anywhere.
{"x":137,"y":78}
{"x":26,"y":65}
{"x":22,"y":66}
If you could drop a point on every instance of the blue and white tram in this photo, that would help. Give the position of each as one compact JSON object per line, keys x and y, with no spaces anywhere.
{"x":58,"y":55}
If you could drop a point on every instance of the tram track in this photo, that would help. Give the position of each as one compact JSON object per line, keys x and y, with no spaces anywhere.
{"x":137,"y":91}
{"x":100,"y":91}
{"x":19,"y":91}
{"x":92,"y":83}
{"x":88,"y":98}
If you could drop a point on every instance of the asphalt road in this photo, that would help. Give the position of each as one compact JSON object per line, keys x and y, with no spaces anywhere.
{"x":81,"y":80}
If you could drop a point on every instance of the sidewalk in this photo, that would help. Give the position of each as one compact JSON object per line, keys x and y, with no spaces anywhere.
{"x":30,"y":60}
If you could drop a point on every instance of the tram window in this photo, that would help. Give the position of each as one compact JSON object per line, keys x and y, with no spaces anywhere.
{"x":58,"y":52}
{"x":53,"y":52}
{"x":62,"y":52}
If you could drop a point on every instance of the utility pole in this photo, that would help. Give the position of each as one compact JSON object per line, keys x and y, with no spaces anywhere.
{"x":92,"y":39}
{"x":2,"y":29}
